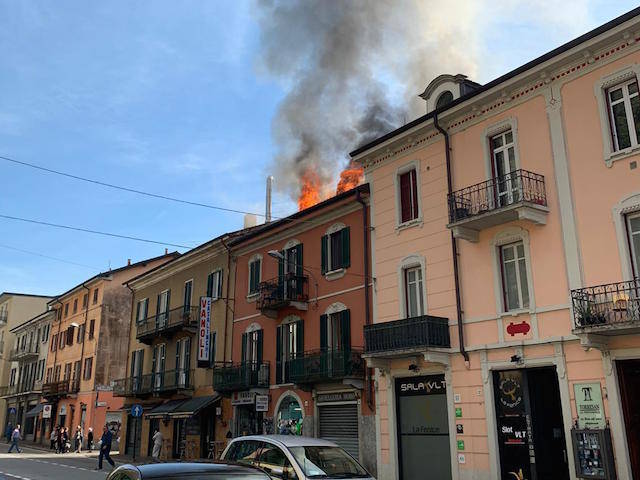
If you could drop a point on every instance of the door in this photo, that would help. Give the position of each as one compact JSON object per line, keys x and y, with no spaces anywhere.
{"x":163,"y":307}
{"x":179,"y":438}
{"x":504,"y":164}
{"x":183,"y":360}
{"x":134,"y":436}
{"x":293,"y":273}
{"x":154,"y":424}
{"x":159,"y":358}
{"x":137,"y":359}
{"x":423,"y":427}
{"x":629,"y":378}
{"x":339,"y":424}
{"x":207,"y":433}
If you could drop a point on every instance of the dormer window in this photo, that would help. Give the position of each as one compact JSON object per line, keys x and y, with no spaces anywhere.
{"x":445,"y":98}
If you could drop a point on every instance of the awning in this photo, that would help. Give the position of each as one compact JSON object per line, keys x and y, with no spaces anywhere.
{"x":192,"y":407}
{"x":35,"y":411}
{"x":165,"y":409}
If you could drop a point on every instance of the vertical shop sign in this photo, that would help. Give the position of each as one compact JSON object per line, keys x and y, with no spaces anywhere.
{"x":204,"y":329}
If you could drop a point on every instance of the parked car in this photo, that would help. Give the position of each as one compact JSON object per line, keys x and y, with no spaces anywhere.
{"x":188,"y":471}
{"x":292,"y":457}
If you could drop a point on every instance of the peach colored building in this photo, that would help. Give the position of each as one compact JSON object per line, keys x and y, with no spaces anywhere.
{"x":302,"y":298}
{"x":88,"y":349}
{"x":506,"y":241}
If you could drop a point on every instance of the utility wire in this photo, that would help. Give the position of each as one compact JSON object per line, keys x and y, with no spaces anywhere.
{"x":97,"y":232}
{"x":29,"y":252}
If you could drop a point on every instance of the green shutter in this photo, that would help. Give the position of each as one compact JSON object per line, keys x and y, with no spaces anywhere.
{"x":345,"y":319}
{"x":279,"y":337}
{"x":324,"y":244}
{"x":168,"y":304}
{"x":281,"y":286}
{"x":323,"y":332}
{"x":244,"y":348}
{"x":220,"y":277}
{"x":260,"y":342}
{"x":158,"y":307}
{"x":138,"y":312}
{"x":346,"y":256}
{"x":210,"y":285}
{"x":300,"y":337}
{"x":299,"y":260}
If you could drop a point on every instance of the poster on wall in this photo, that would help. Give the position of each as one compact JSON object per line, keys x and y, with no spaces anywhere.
{"x":204,"y":329}
{"x":589,"y":405}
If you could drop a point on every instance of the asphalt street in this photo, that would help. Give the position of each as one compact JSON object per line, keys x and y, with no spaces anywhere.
{"x":34,"y":464}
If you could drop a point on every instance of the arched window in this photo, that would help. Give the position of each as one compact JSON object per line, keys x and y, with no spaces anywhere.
{"x":445,"y":98}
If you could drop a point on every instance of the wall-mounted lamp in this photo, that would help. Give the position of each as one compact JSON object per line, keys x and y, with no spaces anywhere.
{"x":516,"y":359}
{"x":413,"y":367}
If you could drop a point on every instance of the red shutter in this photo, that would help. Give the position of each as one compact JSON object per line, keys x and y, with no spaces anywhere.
{"x":405,"y":197}
{"x":414,"y":190}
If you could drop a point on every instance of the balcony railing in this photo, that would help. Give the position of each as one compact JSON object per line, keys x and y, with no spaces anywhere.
{"x":283,"y":291}
{"x":607,"y":307}
{"x":60,"y":389}
{"x":406,"y":334}
{"x":25,"y":353}
{"x":240,"y":376}
{"x":166,"y":323}
{"x":154,"y":383}
{"x":327,"y":365}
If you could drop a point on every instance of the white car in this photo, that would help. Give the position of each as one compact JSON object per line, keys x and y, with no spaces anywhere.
{"x":292,"y":457}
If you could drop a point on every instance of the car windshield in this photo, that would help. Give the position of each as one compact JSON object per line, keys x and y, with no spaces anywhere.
{"x":327,"y":462}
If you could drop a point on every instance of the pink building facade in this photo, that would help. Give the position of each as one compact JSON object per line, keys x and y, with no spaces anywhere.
{"x":522,"y":360}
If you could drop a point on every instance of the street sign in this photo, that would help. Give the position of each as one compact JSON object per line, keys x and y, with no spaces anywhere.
{"x":136,"y":410}
{"x":262,"y":403}
{"x":46,"y":411}
{"x":12,"y":410}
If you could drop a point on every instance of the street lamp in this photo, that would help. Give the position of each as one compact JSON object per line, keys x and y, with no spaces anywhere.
{"x":279,"y":256}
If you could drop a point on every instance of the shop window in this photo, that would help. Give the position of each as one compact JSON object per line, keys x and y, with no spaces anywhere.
{"x":289,"y":416}
{"x":515,"y":285}
{"x":214,"y":285}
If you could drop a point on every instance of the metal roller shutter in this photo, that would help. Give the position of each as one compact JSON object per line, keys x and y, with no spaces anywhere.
{"x":339,"y":424}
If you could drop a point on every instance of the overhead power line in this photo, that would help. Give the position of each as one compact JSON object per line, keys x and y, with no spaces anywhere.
{"x":97,"y":232}
{"x":29,"y":252}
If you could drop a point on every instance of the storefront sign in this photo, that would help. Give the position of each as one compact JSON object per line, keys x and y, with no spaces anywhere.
{"x":434,"y":385}
{"x":589,"y":405}
{"x":46,"y":411}
{"x":204,"y":329}
{"x":262,"y":403}
{"x":336,"y":397}
{"x":242,"y":398}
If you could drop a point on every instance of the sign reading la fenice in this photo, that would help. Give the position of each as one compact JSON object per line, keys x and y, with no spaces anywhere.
{"x":204,"y":329}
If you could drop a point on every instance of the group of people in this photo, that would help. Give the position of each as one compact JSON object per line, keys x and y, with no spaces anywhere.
{"x":61,"y":441}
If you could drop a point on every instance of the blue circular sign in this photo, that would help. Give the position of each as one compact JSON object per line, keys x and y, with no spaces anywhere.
{"x":136,"y":410}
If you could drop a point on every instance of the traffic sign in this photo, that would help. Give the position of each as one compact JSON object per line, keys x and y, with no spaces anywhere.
{"x":12,"y":410}
{"x":46,"y":411}
{"x":136,"y":410}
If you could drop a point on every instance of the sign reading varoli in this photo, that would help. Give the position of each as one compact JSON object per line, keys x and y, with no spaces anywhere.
{"x":431,"y":385}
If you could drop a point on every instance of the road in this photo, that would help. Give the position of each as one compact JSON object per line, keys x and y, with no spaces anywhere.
{"x":34,"y":464}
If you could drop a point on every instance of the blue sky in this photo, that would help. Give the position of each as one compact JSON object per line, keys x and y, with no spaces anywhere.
{"x":164,"y":96}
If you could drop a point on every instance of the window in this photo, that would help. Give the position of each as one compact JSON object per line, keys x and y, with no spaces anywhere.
{"x":70,"y":336}
{"x":75,"y":306}
{"x":335,"y":331}
{"x":67,"y":371}
{"x":88,"y":365}
{"x":56,"y":373}
{"x":633,"y":227}
{"x":12,"y":380}
{"x":49,"y":373}
{"x":624,"y":114}
{"x":408,"y":183}
{"x":158,"y":365}
{"x":275,"y":462}
{"x":92,"y":326}
{"x":252,"y":347}
{"x":162,"y":308}
{"x":254,"y":275}
{"x":245,"y":451}
{"x":214,"y":285}
{"x":62,"y":340}
{"x":142,"y":310}
{"x":414,"y":301}
{"x":59,"y":313}
{"x":76,"y":369}
{"x":95,"y":296}
{"x":54,"y":342}
{"x":503,"y":155}
{"x":289,"y":345}
{"x":335,"y":250}
{"x":445,"y":98}
{"x":85,"y":300}
{"x":66,"y":310}
{"x":45,"y":334}
{"x":515,"y":287}
{"x":183,"y":362}
{"x":188,"y":287}
{"x":81,"y":329}
{"x":41,"y":369}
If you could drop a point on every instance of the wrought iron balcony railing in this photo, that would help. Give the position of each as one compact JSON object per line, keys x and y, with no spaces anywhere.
{"x":166,"y":323}
{"x":282,"y":292}
{"x":324,"y":365}
{"x":408,"y":333}
{"x":607,"y":306}
{"x":61,"y":389}
{"x":154,"y":383}
{"x":240,"y":376}
{"x":518,"y":186}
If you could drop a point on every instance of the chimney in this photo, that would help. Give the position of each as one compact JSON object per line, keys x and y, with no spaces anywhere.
{"x":267,"y":213}
{"x":166,"y":251}
{"x":250,"y":220}
{"x":128,"y":262}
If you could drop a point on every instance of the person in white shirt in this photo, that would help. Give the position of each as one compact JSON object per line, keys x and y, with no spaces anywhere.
{"x":157,"y":445}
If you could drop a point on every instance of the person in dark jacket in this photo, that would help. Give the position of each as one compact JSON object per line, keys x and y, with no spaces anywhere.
{"x":60,"y":443}
{"x":105,"y":448}
{"x":90,"y":439}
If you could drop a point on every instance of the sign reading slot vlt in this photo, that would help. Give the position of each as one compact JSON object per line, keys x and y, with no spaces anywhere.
{"x":204,"y":329}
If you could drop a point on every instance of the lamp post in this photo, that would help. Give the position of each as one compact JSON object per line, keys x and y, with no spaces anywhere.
{"x":280,"y":257}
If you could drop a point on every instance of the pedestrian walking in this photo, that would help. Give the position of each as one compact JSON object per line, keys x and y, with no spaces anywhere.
{"x":105,"y":448}
{"x":66,"y":441}
{"x":90,"y":439}
{"x":8,"y":432}
{"x":15,"y":438}
{"x":79,"y":437}
{"x":157,"y":445}
{"x":54,"y":438}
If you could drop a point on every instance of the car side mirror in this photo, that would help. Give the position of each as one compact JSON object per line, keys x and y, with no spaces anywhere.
{"x":279,"y":472}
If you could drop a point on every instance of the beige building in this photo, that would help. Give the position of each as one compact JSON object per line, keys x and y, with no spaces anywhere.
{"x":162,"y":367}
{"x":15,"y":309}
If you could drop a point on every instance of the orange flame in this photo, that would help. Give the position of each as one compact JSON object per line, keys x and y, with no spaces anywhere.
{"x":310,"y":190}
{"x":350,"y":177}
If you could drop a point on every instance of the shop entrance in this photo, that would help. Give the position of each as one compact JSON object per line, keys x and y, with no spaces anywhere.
{"x":530,"y":428}
{"x":248,"y":421}
{"x":629,"y":378}
{"x":423,"y":428}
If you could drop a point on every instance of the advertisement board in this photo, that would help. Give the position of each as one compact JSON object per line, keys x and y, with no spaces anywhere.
{"x":204,"y":329}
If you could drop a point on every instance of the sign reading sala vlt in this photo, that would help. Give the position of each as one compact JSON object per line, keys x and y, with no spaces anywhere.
{"x":429,"y":385}
{"x":204,"y":329}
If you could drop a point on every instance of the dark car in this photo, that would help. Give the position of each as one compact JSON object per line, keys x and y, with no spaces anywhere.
{"x":190,"y":471}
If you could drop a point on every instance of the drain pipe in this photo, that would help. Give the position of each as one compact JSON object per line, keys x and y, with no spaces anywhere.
{"x":367,"y":312}
{"x":454,"y":243}
{"x":226,"y":300}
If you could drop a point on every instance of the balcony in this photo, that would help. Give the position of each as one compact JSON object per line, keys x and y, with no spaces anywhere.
{"x":606,"y":310}
{"x":518,"y":195}
{"x":288,"y":290}
{"x":406,"y":336}
{"x":240,"y":376}
{"x":60,"y":389}
{"x":24,"y":354}
{"x":325,"y":366}
{"x":167,"y":323}
{"x":163,"y":383}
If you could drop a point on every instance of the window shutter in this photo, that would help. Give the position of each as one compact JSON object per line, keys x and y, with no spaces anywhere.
{"x":299,"y":262}
{"x":141,"y":367}
{"x":158,"y":307}
{"x":133,"y":363}
{"x":210,"y":285}
{"x":323,"y":332}
{"x":414,"y":191}
{"x":138,"y":313}
{"x":168,"y":302}
{"x":187,"y":353}
{"x":178,"y":345}
{"x":345,"y":319}
{"x":346,"y":247}
{"x":324,"y":243}
{"x":154,"y":360}
{"x":405,"y":197}
{"x":300,"y":337}
{"x":260,"y":341}
{"x":244,"y":347}
{"x":281,"y":273}
{"x":220,"y":277}
{"x":252,"y":280}
{"x":279,"y":337}
{"x":212,"y":349}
